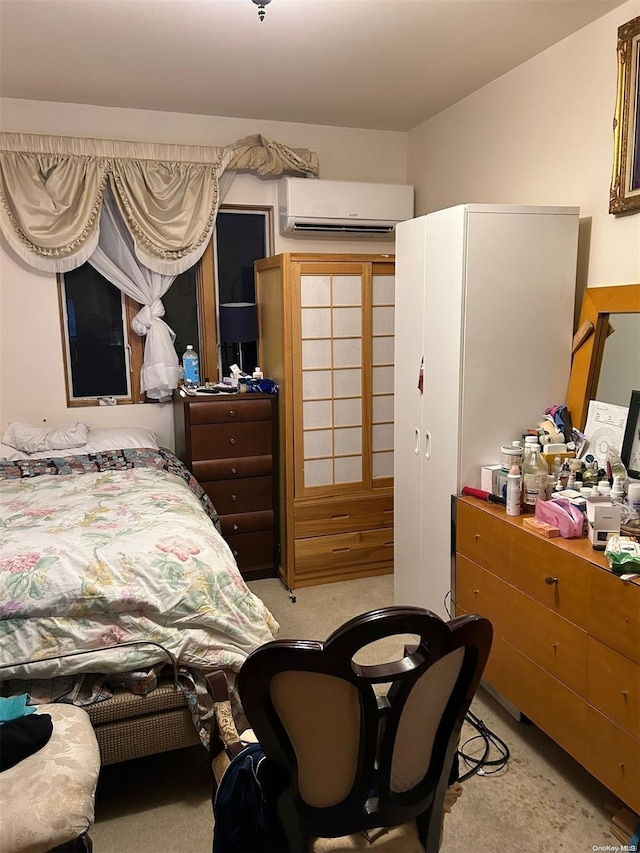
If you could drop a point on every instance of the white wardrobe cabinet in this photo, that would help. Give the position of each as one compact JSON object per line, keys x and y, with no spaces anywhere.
{"x":484,"y":309}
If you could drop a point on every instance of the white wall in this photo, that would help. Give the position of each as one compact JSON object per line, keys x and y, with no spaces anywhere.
{"x":32,"y":387}
{"x":541,"y":134}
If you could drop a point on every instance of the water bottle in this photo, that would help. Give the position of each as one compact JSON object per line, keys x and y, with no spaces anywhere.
{"x":191,"y":367}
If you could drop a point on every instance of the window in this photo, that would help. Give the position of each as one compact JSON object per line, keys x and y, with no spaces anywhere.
{"x":103,"y":358}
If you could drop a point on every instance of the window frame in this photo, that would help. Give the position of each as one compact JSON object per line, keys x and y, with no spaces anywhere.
{"x":207,"y":310}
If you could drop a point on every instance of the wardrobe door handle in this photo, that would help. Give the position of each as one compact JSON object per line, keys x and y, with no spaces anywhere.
{"x":427,"y":444}
{"x":416,"y":441}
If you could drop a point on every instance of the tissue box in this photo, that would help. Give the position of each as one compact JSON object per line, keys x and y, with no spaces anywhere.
{"x":490,"y":479}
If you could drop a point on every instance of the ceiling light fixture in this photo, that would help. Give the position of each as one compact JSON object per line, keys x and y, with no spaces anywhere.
{"x":261,"y":4}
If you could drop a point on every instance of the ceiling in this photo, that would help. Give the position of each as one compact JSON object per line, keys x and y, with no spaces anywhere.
{"x":380,"y":64}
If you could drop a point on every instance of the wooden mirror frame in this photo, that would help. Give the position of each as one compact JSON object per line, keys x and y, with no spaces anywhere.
{"x":597,"y":304}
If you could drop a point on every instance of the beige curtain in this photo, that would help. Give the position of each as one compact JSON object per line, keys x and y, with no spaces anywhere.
{"x":51,"y":192}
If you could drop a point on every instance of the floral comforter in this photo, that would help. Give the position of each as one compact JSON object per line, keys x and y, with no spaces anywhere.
{"x":115,"y":548}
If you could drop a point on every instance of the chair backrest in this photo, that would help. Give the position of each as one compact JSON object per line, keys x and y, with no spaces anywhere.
{"x":365,"y":745}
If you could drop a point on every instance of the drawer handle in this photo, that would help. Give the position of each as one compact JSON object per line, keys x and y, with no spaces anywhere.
{"x":339,"y":517}
{"x":339,"y":550}
{"x":625,"y":693}
{"x":235,"y":553}
{"x":388,"y":544}
{"x":234,"y":497}
{"x":550,"y":581}
{"x":232,"y":414}
{"x":232,"y":441}
{"x":476,"y":592}
{"x":234,"y":470}
{"x":476,"y":538}
{"x":235,"y":527}
{"x":554,"y":646}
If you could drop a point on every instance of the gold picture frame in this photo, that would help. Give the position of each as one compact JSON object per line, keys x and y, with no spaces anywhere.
{"x":624,"y":196}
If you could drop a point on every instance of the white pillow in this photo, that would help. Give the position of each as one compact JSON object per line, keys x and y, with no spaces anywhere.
{"x":33,"y":439}
{"x":107,"y":438}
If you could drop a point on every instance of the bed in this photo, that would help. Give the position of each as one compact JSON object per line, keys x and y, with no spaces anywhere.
{"x":117,"y":590}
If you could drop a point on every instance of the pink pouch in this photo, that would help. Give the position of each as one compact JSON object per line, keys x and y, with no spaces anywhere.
{"x":562,"y":514}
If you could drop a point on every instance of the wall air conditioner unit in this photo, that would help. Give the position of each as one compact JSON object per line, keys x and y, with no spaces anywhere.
{"x":311,"y":206}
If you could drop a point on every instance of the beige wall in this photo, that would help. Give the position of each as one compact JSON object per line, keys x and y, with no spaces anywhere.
{"x":540,"y":134}
{"x":32,"y":387}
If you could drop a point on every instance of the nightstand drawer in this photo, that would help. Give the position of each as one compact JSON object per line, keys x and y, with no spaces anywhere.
{"x":224,"y":441}
{"x":239,"y":496}
{"x":246,"y":522}
{"x":229,"y":469}
{"x":230,"y":411}
{"x":252,"y":550}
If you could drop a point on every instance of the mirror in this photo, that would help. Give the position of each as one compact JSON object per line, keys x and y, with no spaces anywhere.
{"x":610,"y":350}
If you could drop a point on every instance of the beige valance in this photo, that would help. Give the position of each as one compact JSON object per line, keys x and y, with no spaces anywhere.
{"x":52,"y":187}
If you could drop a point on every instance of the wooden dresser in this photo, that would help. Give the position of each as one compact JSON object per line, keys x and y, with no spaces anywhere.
{"x":566,"y":649}
{"x":229,"y":443}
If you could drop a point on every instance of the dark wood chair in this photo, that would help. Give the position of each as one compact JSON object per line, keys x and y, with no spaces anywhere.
{"x":362,"y":746}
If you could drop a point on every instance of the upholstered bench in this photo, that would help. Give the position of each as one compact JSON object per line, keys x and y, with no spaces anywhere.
{"x":47,"y":799}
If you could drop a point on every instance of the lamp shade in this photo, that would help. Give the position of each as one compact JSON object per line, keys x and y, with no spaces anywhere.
{"x":238,"y":322}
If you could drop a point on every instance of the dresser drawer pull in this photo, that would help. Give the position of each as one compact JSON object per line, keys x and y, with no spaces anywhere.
{"x":234,"y":470}
{"x":232,"y":441}
{"x":339,"y":550}
{"x":339,"y":517}
{"x":476,"y":538}
{"x":388,"y":544}
{"x":232,"y":414}
{"x":236,"y":527}
{"x":235,"y":553}
{"x":476,"y":592}
{"x":234,"y":497}
{"x":554,"y":646}
{"x":550,"y":581}
{"x":625,"y":693}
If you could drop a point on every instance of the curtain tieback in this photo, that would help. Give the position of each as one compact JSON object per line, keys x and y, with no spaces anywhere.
{"x":141,"y":323}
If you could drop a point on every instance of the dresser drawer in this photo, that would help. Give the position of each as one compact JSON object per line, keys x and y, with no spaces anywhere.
{"x":546,"y":638}
{"x":557,"y":579}
{"x":225,"y":441}
{"x":344,"y":551}
{"x":556,"y":709}
{"x":246,"y":522}
{"x":614,"y":612}
{"x":613,"y":686}
{"x":613,"y":755}
{"x":229,"y":411}
{"x":342,"y":515}
{"x":229,"y":469}
{"x":252,"y":550}
{"x":237,"y":496}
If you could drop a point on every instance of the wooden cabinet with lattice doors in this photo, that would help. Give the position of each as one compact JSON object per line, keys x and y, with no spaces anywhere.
{"x":326,"y":336}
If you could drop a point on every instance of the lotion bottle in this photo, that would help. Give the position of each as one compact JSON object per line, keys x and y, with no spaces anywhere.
{"x":514,"y":489}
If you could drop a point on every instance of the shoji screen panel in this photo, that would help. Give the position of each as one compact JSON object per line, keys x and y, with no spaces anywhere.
{"x":332,"y":422}
{"x":382,"y":365}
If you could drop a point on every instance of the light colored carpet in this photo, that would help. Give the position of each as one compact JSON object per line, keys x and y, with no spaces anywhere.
{"x":543,"y":801}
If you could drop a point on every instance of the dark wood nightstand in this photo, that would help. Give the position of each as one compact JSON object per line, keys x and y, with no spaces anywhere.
{"x":229,"y":443}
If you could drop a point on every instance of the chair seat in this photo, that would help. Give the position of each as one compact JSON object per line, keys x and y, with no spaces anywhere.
{"x":398,"y":839}
{"x":48,"y":798}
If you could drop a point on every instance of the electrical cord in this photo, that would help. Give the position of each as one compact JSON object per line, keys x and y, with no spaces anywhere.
{"x":491,"y":740}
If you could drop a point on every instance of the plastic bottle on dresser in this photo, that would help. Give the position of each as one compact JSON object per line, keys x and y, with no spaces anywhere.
{"x":191,"y":367}
{"x":514,"y":490}
{"x":534,"y":478}
{"x":633,"y":497}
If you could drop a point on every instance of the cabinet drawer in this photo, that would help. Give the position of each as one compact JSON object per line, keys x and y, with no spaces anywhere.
{"x":343,"y":551}
{"x":246,"y":522}
{"x":613,"y":755}
{"x":225,"y":441}
{"x":614,"y":613}
{"x":236,"y":496}
{"x":613,"y":686}
{"x":229,"y":410}
{"x":252,"y":550}
{"x":342,"y":515}
{"x":557,"y":579}
{"x":546,"y":638}
{"x":558,"y":711}
{"x":229,"y":469}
